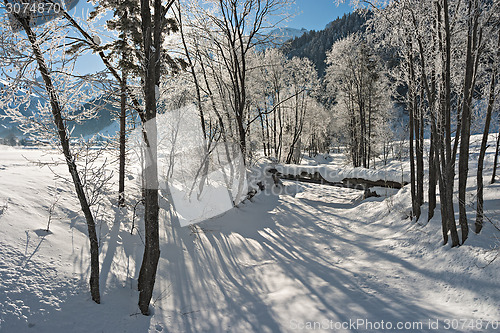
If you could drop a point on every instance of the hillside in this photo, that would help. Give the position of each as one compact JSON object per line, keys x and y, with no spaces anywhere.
{"x":314,"y":44}
{"x":105,"y":118}
{"x":285,"y":34}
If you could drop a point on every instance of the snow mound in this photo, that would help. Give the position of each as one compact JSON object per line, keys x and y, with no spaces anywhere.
{"x":333,"y":174}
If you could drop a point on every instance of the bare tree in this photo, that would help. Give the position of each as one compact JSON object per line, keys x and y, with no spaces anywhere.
{"x":35,"y":41}
{"x":484,"y":141}
{"x":495,"y":163}
{"x":153,"y":27}
{"x":361,"y":90}
{"x":473,"y":55}
{"x":232,"y":29}
{"x":448,"y":40}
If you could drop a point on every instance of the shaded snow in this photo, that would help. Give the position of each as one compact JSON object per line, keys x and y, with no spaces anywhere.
{"x":308,"y":254}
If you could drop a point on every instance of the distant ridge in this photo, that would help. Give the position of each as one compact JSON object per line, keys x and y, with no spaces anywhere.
{"x":101,"y":123}
{"x":287,"y":33}
{"x":314,"y":44}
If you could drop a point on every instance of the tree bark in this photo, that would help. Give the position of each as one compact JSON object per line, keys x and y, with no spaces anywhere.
{"x":411,"y":110}
{"x":123,"y":117}
{"x":495,"y":162}
{"x":482,"y":151}
{"x":70,"y":160}
{"x":433,"y":169}
{"x":419,"y":136}
{"x":412,"y":156}
{"x":472,"y":56}
{"x":151,"y":34}
{"x":447,"y":152}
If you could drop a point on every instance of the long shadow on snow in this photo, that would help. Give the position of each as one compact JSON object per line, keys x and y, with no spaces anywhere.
{"x":376,"y":227}
{"x":200,"y":283}
{"x":207,"y":272}
{"x":36,"y":297}
{"x":121,"y":254}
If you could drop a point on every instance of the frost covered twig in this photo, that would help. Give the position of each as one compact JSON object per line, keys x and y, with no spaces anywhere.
{"x":51,"y":210}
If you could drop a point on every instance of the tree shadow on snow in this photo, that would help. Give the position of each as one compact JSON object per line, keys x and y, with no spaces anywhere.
{"x":272,"y":263}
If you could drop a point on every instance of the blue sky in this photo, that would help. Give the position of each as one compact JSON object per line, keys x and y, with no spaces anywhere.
{"x":308,"y":14}
{"x":315,"y":14}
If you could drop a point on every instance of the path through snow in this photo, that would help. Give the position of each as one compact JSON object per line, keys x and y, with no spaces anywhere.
{"x":320,"y":256}
{"x":280,"y":263}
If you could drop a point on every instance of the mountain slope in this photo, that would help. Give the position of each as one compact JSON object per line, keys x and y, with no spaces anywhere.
{"x":314,"y":44}
{"x":285,"y":34}
{"x":105,"y":117}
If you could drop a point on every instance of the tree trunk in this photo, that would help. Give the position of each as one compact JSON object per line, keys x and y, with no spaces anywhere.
{"x":263,"y":132}
{"x":123,"y":117}
{"x":242,"y":136}
{"x":297,"y":128}
{"x":412,"y":156}
{"x":469,"y":82}
{"x":279,"y":146}
{"x":152,"y":45}
{"x":433,"y":169}
{"x":369,"y":134}
{"x":362,"y":134}
{"x":444,"y":211}
{"x":482,"y":151}
{"x":419,"y":134}
{"x":447,"y":152}
{"x":268,"y":137}
{"x":70,"y":160}
{"x":411,"y":110}
{"x":495,"y":162}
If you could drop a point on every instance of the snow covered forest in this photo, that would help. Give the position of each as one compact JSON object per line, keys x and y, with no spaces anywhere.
{"x":199,"y":166}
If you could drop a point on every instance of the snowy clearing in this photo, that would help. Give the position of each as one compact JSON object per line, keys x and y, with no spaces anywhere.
{"x":315,"y":256}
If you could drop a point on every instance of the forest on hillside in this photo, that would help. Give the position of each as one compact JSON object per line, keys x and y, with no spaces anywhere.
{"x":314,"y":45}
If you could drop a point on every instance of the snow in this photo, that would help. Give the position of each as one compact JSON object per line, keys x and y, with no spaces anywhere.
{"x":109,"y":131}
{"x":200,"y":179}
{"x":306,"y":255}
{"x":335,"y":174}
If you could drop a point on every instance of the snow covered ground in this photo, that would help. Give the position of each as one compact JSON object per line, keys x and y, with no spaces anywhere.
{"x":313,"y":257}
